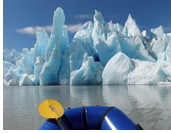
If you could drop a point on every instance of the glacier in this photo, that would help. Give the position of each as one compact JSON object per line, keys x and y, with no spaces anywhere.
{"x":100,"y":53}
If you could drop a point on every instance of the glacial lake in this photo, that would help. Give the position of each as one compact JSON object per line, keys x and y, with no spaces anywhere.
{"x":150,"y":106}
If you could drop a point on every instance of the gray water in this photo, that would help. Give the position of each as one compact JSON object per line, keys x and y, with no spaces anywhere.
{"x":150,"y":106}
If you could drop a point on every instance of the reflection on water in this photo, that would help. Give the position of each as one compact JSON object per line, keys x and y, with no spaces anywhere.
{"x":147,"y":105}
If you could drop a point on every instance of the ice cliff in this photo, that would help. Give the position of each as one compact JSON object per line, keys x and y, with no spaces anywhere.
{"x":100,"y":53}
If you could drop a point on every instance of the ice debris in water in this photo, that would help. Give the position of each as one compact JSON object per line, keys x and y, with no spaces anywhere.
{"x":100,"y":53}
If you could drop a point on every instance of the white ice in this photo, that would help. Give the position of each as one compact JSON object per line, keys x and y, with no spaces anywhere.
{"x":100,"y":53}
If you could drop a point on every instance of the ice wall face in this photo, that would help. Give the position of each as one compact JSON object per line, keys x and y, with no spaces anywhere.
{"x":132,"y":41}
{"x":25,"y":64}
{"x":157,"y":32}
{"x":131,"y":29}
{"x":123,"y":70}
{"x":105,"y":38}
{"x":143,"y":74}
{"x":159,"y":45}
{"x":39,"y":54}
{"x":59,"y":35}
{"x":11,"y":56}
{"x":88,"y":74}
{"x":100,"y":53}
{"x":117,"y":69}
{"x":40,"y":46}
{"x":58,"y":43}
{"x":84,"y":36}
